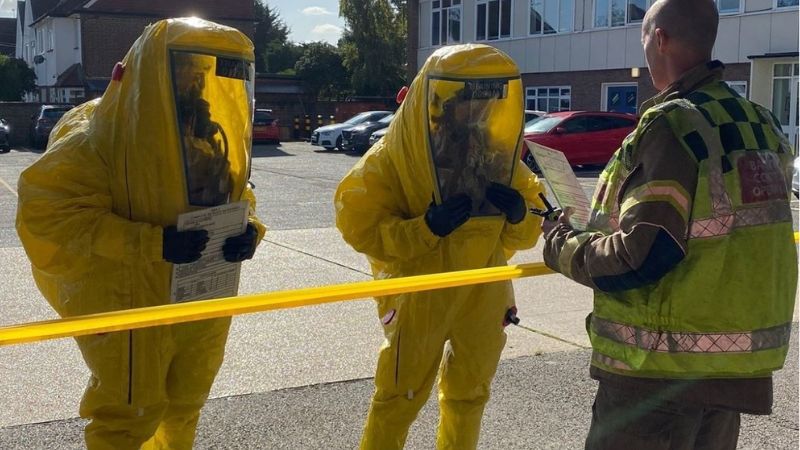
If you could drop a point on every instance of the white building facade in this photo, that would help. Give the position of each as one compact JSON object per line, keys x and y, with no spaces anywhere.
{"x":587,"y":54}
{"x":51,"y":46}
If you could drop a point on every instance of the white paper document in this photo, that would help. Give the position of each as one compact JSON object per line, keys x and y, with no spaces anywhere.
{"x":210,"y":276}
{"x":563,"y":183}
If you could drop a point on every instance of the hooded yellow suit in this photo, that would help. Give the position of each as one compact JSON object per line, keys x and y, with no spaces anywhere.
{"x":90,"y":217}
{"x":380,"y":208}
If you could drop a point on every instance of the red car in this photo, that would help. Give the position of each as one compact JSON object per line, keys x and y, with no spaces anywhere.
{"x":585,"y":138}
{"x":265,"y":127}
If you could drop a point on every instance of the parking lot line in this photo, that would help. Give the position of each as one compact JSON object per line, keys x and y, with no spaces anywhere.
{"x":8,"y":186}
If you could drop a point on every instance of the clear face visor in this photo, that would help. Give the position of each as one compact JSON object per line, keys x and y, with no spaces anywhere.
{"x":474,"y":127}
{"x":214,"y":108}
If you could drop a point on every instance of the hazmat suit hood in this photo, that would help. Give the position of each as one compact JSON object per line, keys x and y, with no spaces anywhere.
{"x":446,"y":77}
{"x":136,"y":123}
{"x":381,"y":203}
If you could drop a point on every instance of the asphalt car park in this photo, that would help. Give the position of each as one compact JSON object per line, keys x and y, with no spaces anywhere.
{"x":288,"y":373}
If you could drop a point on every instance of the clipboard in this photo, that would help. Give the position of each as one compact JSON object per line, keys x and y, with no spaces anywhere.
{"x":563,"y":183}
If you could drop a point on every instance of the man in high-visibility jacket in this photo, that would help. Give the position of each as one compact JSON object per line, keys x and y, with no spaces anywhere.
{"x":690,"y":252}
{"x":97,"y":214}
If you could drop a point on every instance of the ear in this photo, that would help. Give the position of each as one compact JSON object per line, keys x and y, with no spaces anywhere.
{"x":662,"y":40}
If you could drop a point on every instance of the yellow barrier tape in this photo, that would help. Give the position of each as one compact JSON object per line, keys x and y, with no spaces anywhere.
{"x":246,"y":304}
{"x":233,"y":306}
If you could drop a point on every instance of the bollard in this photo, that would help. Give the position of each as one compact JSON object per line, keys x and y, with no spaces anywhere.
{"x":331,"y":120}
{"x":296,"y":132}
{"x":319,"y":120}
{"x":308,"y":126}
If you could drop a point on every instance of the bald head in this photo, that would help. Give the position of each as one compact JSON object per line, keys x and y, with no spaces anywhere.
{"x":691,"y":24}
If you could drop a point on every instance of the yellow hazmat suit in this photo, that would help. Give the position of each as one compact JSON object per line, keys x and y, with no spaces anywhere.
{"x":91,"y":216}
{"x":380,"y":209}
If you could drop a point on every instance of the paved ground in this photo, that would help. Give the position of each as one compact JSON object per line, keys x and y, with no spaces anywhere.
{"x":300,"y":379}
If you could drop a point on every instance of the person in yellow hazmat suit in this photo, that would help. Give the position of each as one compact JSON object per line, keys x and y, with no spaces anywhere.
{"x":97,"y":215}
{"x":443,"y":190}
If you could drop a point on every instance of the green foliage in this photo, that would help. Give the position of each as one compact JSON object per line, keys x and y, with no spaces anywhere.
{"x":16,"y":78}
{"x":322,"y":71}
{"x":373,"y":46}
{"x":273,"y":51}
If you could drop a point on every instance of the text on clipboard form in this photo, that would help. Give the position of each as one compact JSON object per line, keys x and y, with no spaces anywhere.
{"x":563,"y":183}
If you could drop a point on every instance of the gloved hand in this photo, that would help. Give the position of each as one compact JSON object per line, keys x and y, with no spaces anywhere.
{"x":451,"y":214}
{"x":508,"y":201}
{"x":241,"y":247}
{"x":182,"y":247}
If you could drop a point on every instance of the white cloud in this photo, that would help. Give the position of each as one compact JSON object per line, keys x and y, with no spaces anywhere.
{"x":316,"y":11}
{"x":327,"y":32}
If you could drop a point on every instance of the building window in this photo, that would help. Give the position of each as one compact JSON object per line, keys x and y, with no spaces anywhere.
{"x":548,"y":98}
{"x":785,"y":3}
{"x":551,"y":16}
{"x":618,"y":13}
{"x":728,"y":6}
{"x":493,"y":19}
{"x":446,"y":22}
{"x":739,"y":86}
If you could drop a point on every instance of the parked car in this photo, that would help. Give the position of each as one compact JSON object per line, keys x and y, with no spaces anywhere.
{"x":357,"y":138}
{"x":330,"y":136}
{"x":43,"y":122}
{"x":376,"y":136}
{"x":265,"y":127}
{"x":531,"y":114}
{"x":5,"y":136}
{"x":796,"y":178}
{"x":585,"y":137}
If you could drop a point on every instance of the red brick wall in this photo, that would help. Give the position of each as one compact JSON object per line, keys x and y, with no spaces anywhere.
{"x":107,"y":38}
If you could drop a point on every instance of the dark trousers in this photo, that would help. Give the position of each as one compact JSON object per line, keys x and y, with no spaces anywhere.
{"x":632,"y":420}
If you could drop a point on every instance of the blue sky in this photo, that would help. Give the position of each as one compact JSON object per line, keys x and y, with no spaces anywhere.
{"x":308,"y":20}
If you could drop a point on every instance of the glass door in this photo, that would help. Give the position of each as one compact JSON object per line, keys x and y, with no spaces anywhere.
{"x":785,"y":104}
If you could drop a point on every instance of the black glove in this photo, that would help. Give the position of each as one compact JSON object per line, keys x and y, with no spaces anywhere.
{"x":241,"y":247}
{"x":508,"y":201}
{"x":451,"y":214}
{"x":182,"y":247}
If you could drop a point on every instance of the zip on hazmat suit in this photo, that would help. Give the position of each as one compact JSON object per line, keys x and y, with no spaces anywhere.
{"x":458,"y":131}
{"x":171,"y":134}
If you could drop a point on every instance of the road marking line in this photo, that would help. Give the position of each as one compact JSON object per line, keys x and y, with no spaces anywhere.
{"x":8,"y":186}
{"x":552,"y":336}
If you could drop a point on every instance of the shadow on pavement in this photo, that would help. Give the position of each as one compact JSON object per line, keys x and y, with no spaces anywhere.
{"x":265,"y":151}
{"x":27,"y":150}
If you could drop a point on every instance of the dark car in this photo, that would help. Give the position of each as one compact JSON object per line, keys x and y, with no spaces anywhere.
{"x":357,"y":138}
{"x":585,"y":137}
{"x":43,"y":122}
{"x":330,"y":136}
{"x":5,"y":136}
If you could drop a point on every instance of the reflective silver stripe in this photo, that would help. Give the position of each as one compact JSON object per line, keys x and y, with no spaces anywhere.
{"x":715,"y":226}
{"x":609,"y":361}
{"x":773,"y":212}
{"x":683,"y":342}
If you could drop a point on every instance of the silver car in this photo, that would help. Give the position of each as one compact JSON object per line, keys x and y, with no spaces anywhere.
{"x":5,"y":136}
{"x":796,"y":178}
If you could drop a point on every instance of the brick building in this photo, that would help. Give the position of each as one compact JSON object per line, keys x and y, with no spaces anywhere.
{"x":73,"y":44}
{"x":587,"y":54}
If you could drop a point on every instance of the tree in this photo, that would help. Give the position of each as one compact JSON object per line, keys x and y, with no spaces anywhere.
{"x":374,"y":44}
{"x":273,"y":51}
{"x":322,"y":70}
{"x":16,"y":78}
